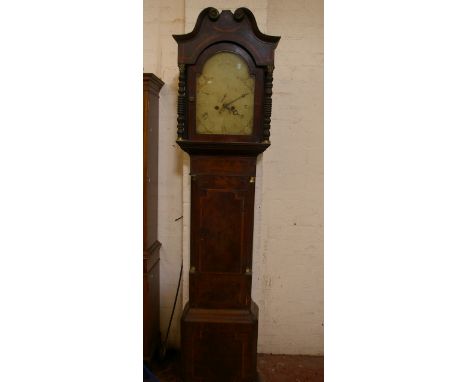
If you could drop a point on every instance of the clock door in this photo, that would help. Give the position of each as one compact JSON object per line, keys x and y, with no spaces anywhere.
{"x":225,"y":95}
{"x":222,"y":227}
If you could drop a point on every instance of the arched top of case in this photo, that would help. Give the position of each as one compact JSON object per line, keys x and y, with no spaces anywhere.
{"x":239,"y":27}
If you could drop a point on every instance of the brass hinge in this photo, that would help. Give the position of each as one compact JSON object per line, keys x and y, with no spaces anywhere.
{"x":252,"y":179}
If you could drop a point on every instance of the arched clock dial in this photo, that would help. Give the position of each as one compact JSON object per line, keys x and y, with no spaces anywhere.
{"x":225,"y":96}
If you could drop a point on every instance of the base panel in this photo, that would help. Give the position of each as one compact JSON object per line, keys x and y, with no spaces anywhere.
{"x":219,"y":345}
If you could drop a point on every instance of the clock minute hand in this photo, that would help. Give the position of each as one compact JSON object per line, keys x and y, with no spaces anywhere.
{"x":234,"y":100}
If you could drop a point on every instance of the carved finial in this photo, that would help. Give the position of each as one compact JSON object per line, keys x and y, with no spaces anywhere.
{"x":213,"y":14}
{"x":239,"y":14}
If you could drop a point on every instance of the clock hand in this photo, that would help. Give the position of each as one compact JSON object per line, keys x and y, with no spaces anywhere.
{"x":234,"y":100}
{"x":217,"y":107}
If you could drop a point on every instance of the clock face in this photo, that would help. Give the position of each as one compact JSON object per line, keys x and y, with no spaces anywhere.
{"x":225,"y":96}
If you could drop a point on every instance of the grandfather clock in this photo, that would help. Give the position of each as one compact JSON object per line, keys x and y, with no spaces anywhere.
{"x":224,"y":109}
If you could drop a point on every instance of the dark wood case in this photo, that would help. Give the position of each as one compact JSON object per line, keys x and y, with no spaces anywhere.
{"x":222,"y":201}
{"x":220,"y":321}
{"x":151,"y":333}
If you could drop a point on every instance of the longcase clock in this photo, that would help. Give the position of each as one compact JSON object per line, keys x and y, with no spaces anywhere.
{"x":224,"y":108}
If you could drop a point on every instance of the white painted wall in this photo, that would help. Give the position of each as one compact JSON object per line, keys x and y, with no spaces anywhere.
{"x":290,"y":292}
{"x":288,"y":237}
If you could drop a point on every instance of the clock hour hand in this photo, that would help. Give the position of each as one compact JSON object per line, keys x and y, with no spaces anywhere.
{"x":217,"y":107}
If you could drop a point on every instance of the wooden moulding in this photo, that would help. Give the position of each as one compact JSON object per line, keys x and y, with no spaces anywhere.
{"x":152,"y":83}
{"x":247,"y":316}
{"x":223,"y":148}
{"x":239,"y":27}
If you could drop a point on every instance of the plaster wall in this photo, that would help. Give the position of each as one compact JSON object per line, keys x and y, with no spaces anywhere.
{"x":290,"y":290}
{"x":288,"y":235}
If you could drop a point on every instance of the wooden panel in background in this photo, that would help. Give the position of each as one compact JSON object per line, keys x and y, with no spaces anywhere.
{"x":151,"y":333}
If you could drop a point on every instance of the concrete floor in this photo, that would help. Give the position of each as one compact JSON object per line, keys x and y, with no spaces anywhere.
{"x":272,"y":368}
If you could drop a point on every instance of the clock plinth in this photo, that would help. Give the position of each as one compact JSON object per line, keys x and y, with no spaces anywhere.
{"x":224,"y":109}
{"x":220,"y":344}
